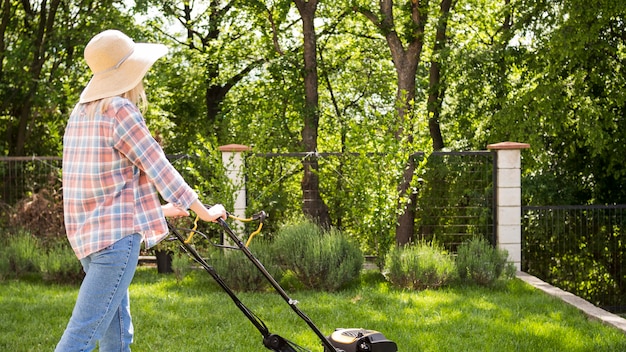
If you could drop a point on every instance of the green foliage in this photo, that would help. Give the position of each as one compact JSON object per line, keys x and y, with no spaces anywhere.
{"x":579,"y":250}
{"x":419,"y":266}
{"x":20,"y":250}
{"x":59,"y":264}
{"x":364,"y":197}
{"x":455,"y":198}
{"x":5,"y":266}
{"x":479,"y":262}
{"x":271,"y":184}
{"x":202,"y":169}
{"x":359,"y":189}
{"x":544,"y":81}
{"x":23,"y":254}
{"x":239,"y":272}
{"x":180,"y":265}
{"x":320,"y":260}
{"x":41,"y":72}
{"x":289,"y":281}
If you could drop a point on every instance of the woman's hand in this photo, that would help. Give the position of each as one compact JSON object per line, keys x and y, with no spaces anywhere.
{"x":172,"y":211}
{"x":212,"y":214}
{"x":217,"y":211}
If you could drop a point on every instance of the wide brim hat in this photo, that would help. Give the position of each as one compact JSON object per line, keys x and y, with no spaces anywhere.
{"x":118,"y":64}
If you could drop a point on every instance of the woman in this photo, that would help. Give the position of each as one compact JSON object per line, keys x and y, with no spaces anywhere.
{"x":112,"y":171}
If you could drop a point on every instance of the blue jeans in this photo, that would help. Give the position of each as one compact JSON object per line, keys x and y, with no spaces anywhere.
{"x":102,"y":309}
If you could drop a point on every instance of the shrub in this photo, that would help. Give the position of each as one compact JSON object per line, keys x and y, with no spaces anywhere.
{"x":239,"y":273}
{"x":5,"y":263}
{"x":59,"y":264}
{"x":419,"y":266}
{"x":20,"y":252}
{"x":324,"y":260}
{"x":479,"y":262}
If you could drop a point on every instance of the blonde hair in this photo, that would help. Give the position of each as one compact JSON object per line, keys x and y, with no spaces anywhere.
{"x":136,"y":95}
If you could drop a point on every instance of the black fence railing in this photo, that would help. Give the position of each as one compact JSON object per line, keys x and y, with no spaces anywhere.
{"x":581,"y":249}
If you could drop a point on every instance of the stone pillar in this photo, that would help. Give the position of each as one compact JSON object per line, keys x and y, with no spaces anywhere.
{"x":232,"y":159}
{"x":509,"y":198}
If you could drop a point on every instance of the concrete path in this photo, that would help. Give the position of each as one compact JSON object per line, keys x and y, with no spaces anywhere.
{"x":589,"y":309}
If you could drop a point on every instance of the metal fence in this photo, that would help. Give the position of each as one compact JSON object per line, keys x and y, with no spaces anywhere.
{"x":581,"y":249}
{"x":20,"y":177}
{"x":455,"y":197}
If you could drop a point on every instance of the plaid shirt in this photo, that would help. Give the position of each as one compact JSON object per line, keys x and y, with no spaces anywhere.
{"x":111,"y":166}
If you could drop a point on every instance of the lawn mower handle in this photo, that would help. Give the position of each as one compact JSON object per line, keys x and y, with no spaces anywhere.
{"x":344,"y":340}
{"x":328,"y":346}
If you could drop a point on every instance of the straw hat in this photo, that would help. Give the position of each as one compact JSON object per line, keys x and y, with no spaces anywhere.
{"x":118,"y":64}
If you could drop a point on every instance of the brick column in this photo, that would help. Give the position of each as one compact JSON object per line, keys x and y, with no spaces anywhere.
{"x":232,"y":159}
{"x":509,"y":198}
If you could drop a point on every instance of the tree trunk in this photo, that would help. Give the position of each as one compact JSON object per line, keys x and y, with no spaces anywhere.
{"x":406,"y":63}
{"x":24,"y":114}
{"x":436,"y":88}
{"x":313,"y":205}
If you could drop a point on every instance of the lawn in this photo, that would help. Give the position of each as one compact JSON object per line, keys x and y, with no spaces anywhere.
{"x":195,"y":315}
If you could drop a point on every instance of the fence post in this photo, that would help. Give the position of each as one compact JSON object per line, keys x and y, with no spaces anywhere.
{"x":232,"y":159}
{"x":509,"y":198}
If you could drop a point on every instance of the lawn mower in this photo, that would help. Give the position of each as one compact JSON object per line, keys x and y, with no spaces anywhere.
{"x":341,"y":340}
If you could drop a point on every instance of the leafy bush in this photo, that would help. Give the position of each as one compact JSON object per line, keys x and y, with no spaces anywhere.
{"x":419,"y":266}
{"x":239,"y":273}
{"x":59,"y":264}
{"x":479,"y":262}
{"x":22,"y":254}
{"x":20,"y":251}
{"x":5,"y":265}
{"x":322,"y":260}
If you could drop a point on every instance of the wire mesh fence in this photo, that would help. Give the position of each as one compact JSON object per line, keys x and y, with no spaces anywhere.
{"x":20,"y":177}
{"x":581,"y":249}
{"x":454,"y":196}
{"x":454,"y":191}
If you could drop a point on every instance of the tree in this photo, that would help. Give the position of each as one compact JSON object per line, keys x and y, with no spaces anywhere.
{"x":436,"y":87}
{"x":549,"y":75}
{"x":205,"y":37}
{"x":409,"y":22}
{"x":40,"y":72}
{"x":29,"y":48}
{"x":312,"y":204}
{"x":577,"y":98}
{"x":223,"y":54}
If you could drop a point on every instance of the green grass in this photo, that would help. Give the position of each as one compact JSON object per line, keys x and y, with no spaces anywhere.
{"x":195,"y":315}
